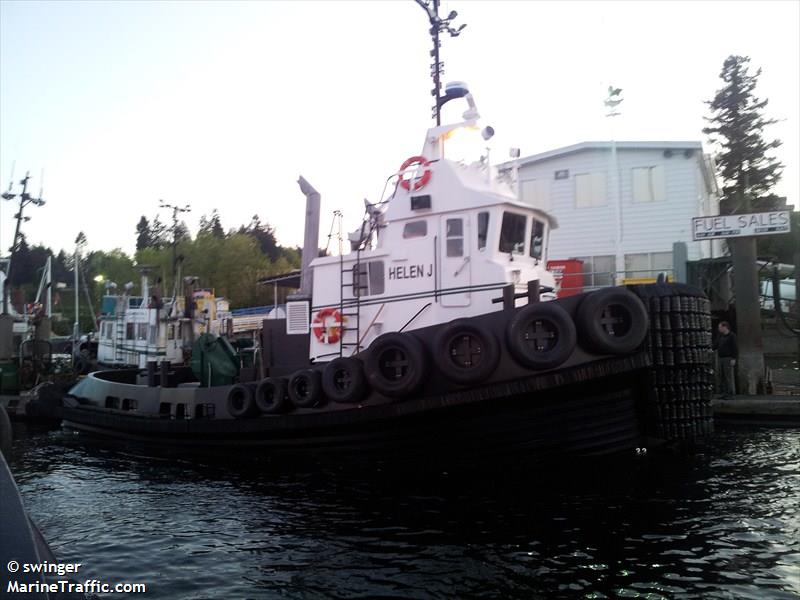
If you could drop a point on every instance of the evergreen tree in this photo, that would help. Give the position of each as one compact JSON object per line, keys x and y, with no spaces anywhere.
{"x":211,"y":226}
{"x":264,"y":234}
{"x":737,"y":124}
{"x":144,"y":237}
{"x":181,"y":233}
{"x":159,"y":234}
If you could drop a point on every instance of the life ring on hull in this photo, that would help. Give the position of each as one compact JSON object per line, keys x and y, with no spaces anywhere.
{"x":466,"y":352}
{"x":420,"y":182}
{"x":240,"y":402}
{"x":343,"y":380}
{"x":541,"y":336}
{"x":270,"y":395}
{"x":612,"y":321}
{"x":397,"y":364}
{"x":305,"y":388}
{"x":327,"y":334}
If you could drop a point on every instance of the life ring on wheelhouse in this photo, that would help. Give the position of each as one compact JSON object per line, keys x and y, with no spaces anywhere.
{"x":420,"y":182}
{"x":325,"y":333}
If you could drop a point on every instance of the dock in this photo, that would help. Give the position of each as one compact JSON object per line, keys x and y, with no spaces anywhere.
{"x":758,"y":410}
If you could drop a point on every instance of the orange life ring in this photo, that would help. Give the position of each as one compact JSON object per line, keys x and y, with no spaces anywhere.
{"x":418,"y":183}
{"x":327,"y":334}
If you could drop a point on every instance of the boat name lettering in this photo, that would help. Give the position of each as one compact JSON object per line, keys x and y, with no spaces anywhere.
{"x":411,"y":272}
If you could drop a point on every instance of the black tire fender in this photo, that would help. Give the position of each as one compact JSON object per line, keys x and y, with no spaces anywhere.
{"x":396,"y":364}
{"x":466,"y":352}
{"x":612,"y":321}
{"x":541,"y":335}
{"x":240,"y":402}
{"x":305,"y":388}
{"x":343,"y":380}
{"x":270,"y":395}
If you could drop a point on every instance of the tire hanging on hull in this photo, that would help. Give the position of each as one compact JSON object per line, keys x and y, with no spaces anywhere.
{"x":397,"y":364}
{"x":612,"y":321}
{"x":466,"y":352}
{"x":343,"y":380}
{"x":541,"y":336}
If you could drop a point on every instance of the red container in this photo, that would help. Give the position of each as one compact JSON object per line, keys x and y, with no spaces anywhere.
{"x":569,"y":276}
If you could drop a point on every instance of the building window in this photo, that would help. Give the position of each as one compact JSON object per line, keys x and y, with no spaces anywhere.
{"x":512,"y":233}
{"x":648,"y":184}
{"x":454,"y":236}
{"x":647,"y":264}
{"x":483,"y":229}
{"x":536,"y":192}
{"x":590,"y":190}
{"x":537,"y":239}
{"x":368,"y":279}
{"x":415,"y":229}
{"x":598,"y":271}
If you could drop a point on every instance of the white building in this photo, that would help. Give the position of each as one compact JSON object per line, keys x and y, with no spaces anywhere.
{"x":622,"y":218}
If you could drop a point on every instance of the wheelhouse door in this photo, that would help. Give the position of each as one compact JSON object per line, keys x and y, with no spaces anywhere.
{"x":454,"y":260}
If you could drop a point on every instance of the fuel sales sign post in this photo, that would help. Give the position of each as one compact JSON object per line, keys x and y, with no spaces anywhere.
{"x":745,"y":225}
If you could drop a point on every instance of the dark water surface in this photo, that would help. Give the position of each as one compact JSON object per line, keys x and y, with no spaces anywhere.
{"x":725,"y":524}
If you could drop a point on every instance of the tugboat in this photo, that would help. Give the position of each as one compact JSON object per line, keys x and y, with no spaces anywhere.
{"x":134,"y":330}
{"x":439,"y":332}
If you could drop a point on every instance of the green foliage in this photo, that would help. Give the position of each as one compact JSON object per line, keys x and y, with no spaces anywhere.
{"x":737,"y":124}
{"x":230,"y":264}
{"x":212,"y":225}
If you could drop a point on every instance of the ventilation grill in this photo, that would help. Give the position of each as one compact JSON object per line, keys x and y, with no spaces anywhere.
{"x":297,"y":317}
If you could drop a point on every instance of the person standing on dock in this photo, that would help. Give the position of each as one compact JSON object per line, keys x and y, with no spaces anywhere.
{"x":728,"y":351}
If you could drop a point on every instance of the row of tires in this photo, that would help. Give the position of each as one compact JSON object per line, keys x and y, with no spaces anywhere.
{"x":538,"y":336}
{"x":680,"y":350}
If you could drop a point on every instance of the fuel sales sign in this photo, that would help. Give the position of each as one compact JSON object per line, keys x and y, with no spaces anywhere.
{"x":728,"y":226}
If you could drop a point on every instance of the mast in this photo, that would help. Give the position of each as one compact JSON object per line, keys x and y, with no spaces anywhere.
{"x":24,"y":199}
{"x":438,"y":25}
{"x":175,"y":211}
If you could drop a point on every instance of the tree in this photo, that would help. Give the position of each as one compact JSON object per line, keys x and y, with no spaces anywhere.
{"x":264,"y":234}
{"x":181,"y":233}
{"x":159,"y":234}
{"x":737,"y":124}
{"x":144,"y":236}
{"x":748,"y":174}
{"x":211,"y":226}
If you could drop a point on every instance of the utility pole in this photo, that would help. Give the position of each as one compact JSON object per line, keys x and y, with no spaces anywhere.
{"x":748,"y":308}
{"x":438,"y":25}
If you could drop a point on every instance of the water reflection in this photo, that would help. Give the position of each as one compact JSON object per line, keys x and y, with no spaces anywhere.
{"x":723,"y":525}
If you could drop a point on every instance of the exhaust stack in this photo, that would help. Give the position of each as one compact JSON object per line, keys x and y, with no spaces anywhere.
{"x":311,"y":237}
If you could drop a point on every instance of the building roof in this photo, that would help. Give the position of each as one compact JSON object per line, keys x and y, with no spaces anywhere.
{"x":602,"y":145}
{"x":287,"y":280}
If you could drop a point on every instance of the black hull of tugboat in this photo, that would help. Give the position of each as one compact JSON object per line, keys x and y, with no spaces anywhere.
{"x":599,"y":418}
{"x":591,"y":404}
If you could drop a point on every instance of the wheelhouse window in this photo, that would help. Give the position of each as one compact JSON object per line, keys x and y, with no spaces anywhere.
{"x":415,"y":229}
{"x":141,"y":332}
{"x":455,"y":237}
{"x":537,"y":239}
{"x":512,"y":233}
{"x":130,"y":331}
{"x":483,"y":229}
{"x":368,"y":279}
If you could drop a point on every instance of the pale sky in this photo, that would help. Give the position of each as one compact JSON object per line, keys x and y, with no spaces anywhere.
{"x":223,"y":105}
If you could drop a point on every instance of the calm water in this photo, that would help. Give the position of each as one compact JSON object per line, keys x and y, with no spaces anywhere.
{"x":722,"y":525}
